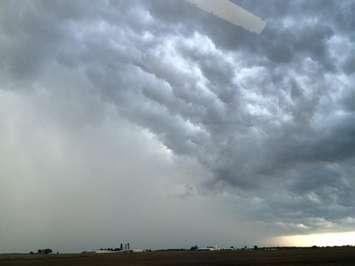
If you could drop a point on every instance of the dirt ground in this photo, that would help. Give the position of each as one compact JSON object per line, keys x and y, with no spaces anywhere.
{"x":314,"y":257}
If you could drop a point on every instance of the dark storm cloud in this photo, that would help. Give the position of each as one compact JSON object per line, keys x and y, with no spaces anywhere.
{"x":270,"y":116}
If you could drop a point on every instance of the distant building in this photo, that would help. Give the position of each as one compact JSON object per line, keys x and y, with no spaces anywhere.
{"x":103,"y":251}
{"x":212,"y":248}
{"x":124,"y":247}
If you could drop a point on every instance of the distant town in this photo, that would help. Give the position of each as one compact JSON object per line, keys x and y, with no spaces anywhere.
{"x":125,"y":247}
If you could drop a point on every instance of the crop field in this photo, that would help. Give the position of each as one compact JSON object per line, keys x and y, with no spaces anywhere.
{"x":314,"y":257}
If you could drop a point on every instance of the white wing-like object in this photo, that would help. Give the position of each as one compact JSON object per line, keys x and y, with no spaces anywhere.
{"x":232,"y":13}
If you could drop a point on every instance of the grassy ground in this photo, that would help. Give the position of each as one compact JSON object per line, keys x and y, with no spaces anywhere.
{"x":314,"y":257}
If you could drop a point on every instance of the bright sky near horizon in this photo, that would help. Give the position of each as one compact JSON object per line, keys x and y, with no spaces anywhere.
{"x":320,"y":240}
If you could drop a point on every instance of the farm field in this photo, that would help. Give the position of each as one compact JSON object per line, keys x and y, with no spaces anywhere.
{"x":314,"y":257}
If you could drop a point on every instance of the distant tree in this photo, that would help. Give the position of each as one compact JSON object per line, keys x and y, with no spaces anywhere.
{"x":255,"y":247}
{"x":231,"y":247}
{"x":194,"y":248}
{"x":46,"y":251}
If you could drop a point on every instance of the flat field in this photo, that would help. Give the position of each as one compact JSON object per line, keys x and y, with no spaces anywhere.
{"x":314,"y":257}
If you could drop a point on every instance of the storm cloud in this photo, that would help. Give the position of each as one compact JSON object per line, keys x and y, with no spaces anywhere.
{"x":158,"y":107}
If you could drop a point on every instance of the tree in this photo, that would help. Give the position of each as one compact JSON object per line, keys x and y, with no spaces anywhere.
{"x":194,"y":248}
{"x":45,"y":251}
{"x":48,"y":251}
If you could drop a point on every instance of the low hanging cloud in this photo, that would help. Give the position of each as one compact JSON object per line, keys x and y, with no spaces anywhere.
{"x":263,"y":121}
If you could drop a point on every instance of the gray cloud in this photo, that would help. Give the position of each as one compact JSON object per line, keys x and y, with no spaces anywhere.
{"x":266,"y":119}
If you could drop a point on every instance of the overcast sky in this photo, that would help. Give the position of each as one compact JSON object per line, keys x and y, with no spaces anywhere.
{"x":154,"y":122}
